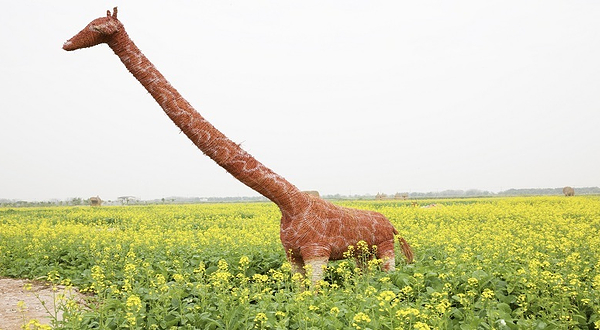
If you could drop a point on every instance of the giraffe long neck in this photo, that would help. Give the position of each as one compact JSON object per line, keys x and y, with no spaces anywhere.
{"x":204,"y":135}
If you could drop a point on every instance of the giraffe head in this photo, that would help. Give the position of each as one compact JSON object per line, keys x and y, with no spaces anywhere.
{"x":98,"y":31}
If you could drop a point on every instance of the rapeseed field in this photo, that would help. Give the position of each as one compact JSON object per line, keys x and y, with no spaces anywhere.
{"x":495,"y":263}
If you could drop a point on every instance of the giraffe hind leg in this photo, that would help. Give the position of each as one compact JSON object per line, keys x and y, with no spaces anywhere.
{"x":297,"y":264}
{"x":385,"y":252}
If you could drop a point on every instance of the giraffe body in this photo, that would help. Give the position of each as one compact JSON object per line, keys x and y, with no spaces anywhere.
{"x":326,"y":230}
{"x":313,"y":230}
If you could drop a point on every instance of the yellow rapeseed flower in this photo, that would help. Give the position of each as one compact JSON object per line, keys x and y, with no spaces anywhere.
{"x":360,"y":319}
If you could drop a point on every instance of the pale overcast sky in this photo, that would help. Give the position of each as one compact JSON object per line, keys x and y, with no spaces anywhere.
{"x":349,"y":97}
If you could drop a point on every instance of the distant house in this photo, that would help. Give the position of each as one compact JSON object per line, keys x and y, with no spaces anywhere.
{"x":125,"y":200}
{"x":380,"y":196}
{"x":402,"y":196}
{"x":95,"y":201}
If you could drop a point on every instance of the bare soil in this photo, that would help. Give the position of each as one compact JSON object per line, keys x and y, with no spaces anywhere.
{"x":12,"y":291}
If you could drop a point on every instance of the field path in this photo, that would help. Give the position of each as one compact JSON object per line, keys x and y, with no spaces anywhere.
{"x":12,"y":316}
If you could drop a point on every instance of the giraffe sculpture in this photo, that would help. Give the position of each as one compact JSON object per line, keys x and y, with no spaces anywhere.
{"x":312,"y":230}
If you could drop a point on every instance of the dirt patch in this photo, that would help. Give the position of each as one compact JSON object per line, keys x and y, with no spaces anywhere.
{"x":19,"y":306}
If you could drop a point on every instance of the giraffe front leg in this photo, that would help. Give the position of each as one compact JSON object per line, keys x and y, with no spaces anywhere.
{"x":315,"y":259}
{"x":317,"y":268}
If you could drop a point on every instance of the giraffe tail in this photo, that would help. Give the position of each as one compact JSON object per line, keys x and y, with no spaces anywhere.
{"x":406,"y":249}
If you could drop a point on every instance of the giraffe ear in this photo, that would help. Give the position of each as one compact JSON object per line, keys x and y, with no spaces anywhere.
{"x":114,"y":14}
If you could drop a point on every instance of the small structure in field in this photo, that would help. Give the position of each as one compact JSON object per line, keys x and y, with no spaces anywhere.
{"x":569,"y":191}
{"x":402,"y":196}
{"x":312,"y":193}
{"x":380,"y":196}
{"x":95,"y":201}
{"x":125,"y":200}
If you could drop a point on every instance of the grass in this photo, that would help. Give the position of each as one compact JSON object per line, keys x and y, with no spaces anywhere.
{"x":496,"y":263}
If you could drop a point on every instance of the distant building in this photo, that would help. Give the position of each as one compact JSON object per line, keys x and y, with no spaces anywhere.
{"x":126,"y":199}
{"x":95,"y":201}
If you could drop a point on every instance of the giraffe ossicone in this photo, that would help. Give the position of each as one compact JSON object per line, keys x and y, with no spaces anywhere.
{"x":312,"y":230}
